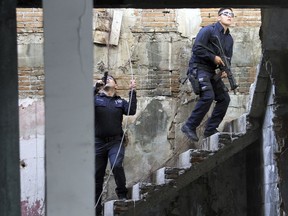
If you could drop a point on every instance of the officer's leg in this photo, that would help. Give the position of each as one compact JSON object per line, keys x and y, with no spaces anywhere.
{"x":100,"y":164}
{"x":222,"y":102}
{"x":116,"y":157}
{"x":204,"y":102}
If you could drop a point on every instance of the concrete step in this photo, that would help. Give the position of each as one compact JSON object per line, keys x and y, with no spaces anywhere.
{"x":167,"y":175}
{"x":239,"y":125}
{"x":116,"y":207}
{"x":192,"y":156}
{"x":141,"y":190}
{"x":211,"y":143}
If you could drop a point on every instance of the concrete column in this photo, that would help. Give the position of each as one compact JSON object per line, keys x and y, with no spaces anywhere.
{"x":69,"y":127}
{"x":9,"y":120}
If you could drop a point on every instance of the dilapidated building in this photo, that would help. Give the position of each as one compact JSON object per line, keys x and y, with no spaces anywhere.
{"x":240,"y":171}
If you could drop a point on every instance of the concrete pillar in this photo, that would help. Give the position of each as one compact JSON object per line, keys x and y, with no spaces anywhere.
{"x":9,"y":119}
{"x":69,"y":126}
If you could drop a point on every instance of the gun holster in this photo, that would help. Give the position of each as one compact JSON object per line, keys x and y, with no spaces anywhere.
{"x":192,"y":76}
{"x":219,"y":86}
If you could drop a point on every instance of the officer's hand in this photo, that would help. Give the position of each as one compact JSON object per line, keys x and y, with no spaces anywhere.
{"x":99,"y":83}
{"x":132,"y":84}
{"x":224,"y":74}
{"x":218,"y":61}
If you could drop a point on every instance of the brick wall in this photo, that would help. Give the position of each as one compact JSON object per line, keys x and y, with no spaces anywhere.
{"x":155,"y":20}
{"x":31,"y":82}
{"x":159,"y":20}
{"x":30,"y":79}
{"x":30,"y":21}
{"x":248,"y":17}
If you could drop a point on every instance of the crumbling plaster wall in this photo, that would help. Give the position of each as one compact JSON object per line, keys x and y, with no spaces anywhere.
{"x":158,"y":43}
{"x":31,"y":112}
{"x":271,"y":197}
{"x":275,"y":47}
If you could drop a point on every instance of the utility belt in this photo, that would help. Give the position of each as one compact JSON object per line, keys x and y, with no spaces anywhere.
{"x":109,"y":139}
{"x":204,"y":84}
{"x":204,"y":67}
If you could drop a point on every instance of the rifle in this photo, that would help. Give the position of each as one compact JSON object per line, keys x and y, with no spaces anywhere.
{"x":104,"y":78}
{"x":99,"y":86}
{"x":227,"y":67}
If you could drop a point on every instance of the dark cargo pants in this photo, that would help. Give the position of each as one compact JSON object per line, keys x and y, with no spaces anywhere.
{"x":104,"y":151}
{"x":210,"y":90}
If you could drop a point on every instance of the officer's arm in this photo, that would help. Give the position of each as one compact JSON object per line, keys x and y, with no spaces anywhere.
{"x":130,"y":109}
{"x":202,"y":38}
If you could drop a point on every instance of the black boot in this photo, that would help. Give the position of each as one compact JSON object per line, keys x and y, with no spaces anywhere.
{"x":190,"y":133}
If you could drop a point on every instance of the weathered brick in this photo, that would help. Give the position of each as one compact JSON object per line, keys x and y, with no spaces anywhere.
{"x":243,"y":17}
{"x":152,"y":83}
{"x":23,"y":88}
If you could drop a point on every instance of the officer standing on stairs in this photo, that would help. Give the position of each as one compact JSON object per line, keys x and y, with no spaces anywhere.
{"x":202,"y":66}
{"x":109,"y":111}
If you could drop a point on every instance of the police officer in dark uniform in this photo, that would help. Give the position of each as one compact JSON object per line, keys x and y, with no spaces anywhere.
{"x":202,"y":65}
{"x":109,"y":111}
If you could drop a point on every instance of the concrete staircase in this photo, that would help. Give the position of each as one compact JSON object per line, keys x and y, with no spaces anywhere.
{"x":192,"y":164}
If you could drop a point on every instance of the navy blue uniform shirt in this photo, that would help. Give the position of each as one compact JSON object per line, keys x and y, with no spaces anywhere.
{"x":206,"y":36}
{"x":109,"y":113}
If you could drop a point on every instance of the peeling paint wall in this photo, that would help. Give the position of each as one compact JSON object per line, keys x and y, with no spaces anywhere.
{"x":31,"y":112}
{"x":271,"y":197}
{"x":275,"y":58}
